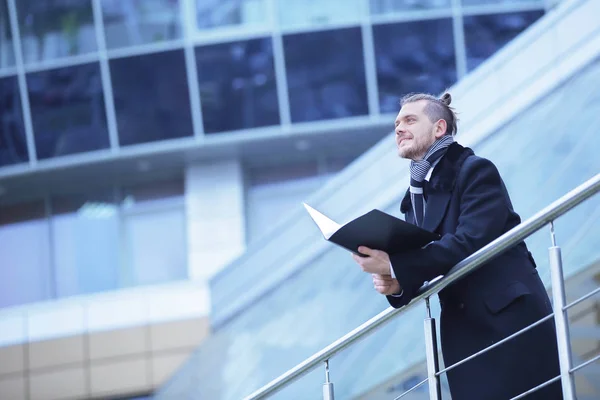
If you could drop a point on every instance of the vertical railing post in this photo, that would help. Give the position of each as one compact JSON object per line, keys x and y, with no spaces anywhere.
{"x":561,"y":319}
{"x":327,"y":386}
{"x":433,"y":367}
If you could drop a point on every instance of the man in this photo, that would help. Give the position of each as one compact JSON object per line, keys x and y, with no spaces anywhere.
{"x":463,"y":198}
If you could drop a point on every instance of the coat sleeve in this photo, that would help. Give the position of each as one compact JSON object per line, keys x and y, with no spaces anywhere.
{"x":483,"y":214}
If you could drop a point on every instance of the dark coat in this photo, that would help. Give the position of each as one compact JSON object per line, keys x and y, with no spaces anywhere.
{"x":468,"y":204}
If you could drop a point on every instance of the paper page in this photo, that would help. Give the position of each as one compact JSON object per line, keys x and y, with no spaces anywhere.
{"x":326,"y":225}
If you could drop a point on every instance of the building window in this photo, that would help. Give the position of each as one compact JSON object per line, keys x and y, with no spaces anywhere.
{"x":326,"y":75}
{"x":301,"y":13}
{"x":25,"y":248}
{"x":13,"y":145}
{"x":151,"y":97}
{"x":67,"y":110}
{"x":413,"y":57}
{"x":237,"y":85}
{"x":7,"y":53}
{"x":382,"y":7}
{"x":212,"y":14}
{"x":85,"y":237}
{"x":486,"y":34}
{"x":53,"y":29}
{"x":129,"y":23}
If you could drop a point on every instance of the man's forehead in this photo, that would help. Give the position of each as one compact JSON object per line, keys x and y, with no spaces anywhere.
{"x":412,"y":108}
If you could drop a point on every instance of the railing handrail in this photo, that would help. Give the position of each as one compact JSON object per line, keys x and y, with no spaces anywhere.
{"x":466,"y":266}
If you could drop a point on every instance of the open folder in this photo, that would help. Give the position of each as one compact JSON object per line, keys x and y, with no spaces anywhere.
{"x":375,"y":229}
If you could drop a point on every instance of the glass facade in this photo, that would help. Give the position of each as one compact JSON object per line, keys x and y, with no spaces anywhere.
{"x":379,"y":7}
{"x":149,"y":107}
{"x":486,"y":34}
{"x":25,"y":248}
{"x":306,"y":13}
{"x":240,"y":66}
{"x":67,"y":110}
{"x":92,"y":241}
{"x":13,"y":145}
{"x":413,"y":57}
{"x":211,"y":14}
{"x":130,"y":23}
{"x":237,"y":84}
{"x":326,"y":74}
{"x":52,"y":29}
{"x":7,"y":53}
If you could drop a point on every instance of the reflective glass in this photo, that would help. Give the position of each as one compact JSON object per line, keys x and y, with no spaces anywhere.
{"x":85,"y":231}
{"x":67,"y":110}
{"x":211,"y":14}
{"x":237,"y":85}
{"x":486,"y":34}
{"x":295,"y":13}
{"x":7,"y":53}
{"x":413,"y":57}
{"x":55,"y":28}
{"x":325,"y":74}
{"x":396,"y":6}
{"x":130,"y":22}
{"x":24,"y":254}
{"x":155,"y":255}
{"x":501,"y":2}
{"x":151,"y":97}
{"x":13,"y":145}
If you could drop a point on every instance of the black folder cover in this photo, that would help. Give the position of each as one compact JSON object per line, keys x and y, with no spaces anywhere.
{"x":380,"y":231}
{"x":376,"y":230}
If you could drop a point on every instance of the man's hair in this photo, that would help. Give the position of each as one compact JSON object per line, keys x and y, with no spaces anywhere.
{"x":436,"y":109}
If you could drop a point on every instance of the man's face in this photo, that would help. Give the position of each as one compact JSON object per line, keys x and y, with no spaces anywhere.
{"x":415,"y":133}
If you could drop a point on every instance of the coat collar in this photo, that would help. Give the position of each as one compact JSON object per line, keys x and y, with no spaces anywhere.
{"x":444,"y":174}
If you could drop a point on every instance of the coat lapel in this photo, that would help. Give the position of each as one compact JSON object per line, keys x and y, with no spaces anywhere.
{"x":437,"y":205}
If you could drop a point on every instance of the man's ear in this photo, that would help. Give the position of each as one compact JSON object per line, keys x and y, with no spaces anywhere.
{"x":440,"y":128}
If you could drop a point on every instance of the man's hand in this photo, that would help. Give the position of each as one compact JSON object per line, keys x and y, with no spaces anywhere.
{"x":377,"y":262}
{"x":386,"y":285}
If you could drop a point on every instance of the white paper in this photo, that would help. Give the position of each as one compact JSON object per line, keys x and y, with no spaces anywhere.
{"x":327,"y":226}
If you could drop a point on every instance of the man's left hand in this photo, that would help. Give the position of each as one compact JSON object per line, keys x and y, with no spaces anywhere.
{"x":376,"y":262}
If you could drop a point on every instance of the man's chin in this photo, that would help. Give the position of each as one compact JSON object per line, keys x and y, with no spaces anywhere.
{"x":403,"y":153}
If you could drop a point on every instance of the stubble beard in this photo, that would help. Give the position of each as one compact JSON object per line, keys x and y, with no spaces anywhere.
{"x":416,"y":152}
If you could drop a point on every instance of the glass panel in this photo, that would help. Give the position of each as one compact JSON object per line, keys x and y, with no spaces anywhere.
{"x":237,"y":85}
{"x":294,"y":13}
{"x":13,"y":145}
{"x":212,"y":14}
{"x":325,"y":74}
{"x":501,"y":2}
{"x":486,"y":34}
{"x":160,"y":77}
{"x":55,"y":28}
{"x":395,"y":6}
{"x":413,"y":57}
{"x":85,"y":232}
{"x":7,"y":53}
{"x":67,"y":110}
{"x":129,"y":22}
{"x":25,"y":254}
{"x":156,"y":255}
{"x":153,"y":192}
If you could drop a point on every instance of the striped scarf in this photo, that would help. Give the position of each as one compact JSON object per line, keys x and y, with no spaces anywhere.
{"x":418,"y":172}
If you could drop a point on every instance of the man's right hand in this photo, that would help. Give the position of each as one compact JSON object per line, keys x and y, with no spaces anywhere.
{"x":386,"y":285}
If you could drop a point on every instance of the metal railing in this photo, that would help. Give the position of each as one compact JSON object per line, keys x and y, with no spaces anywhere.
{"x":538,"y":221}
